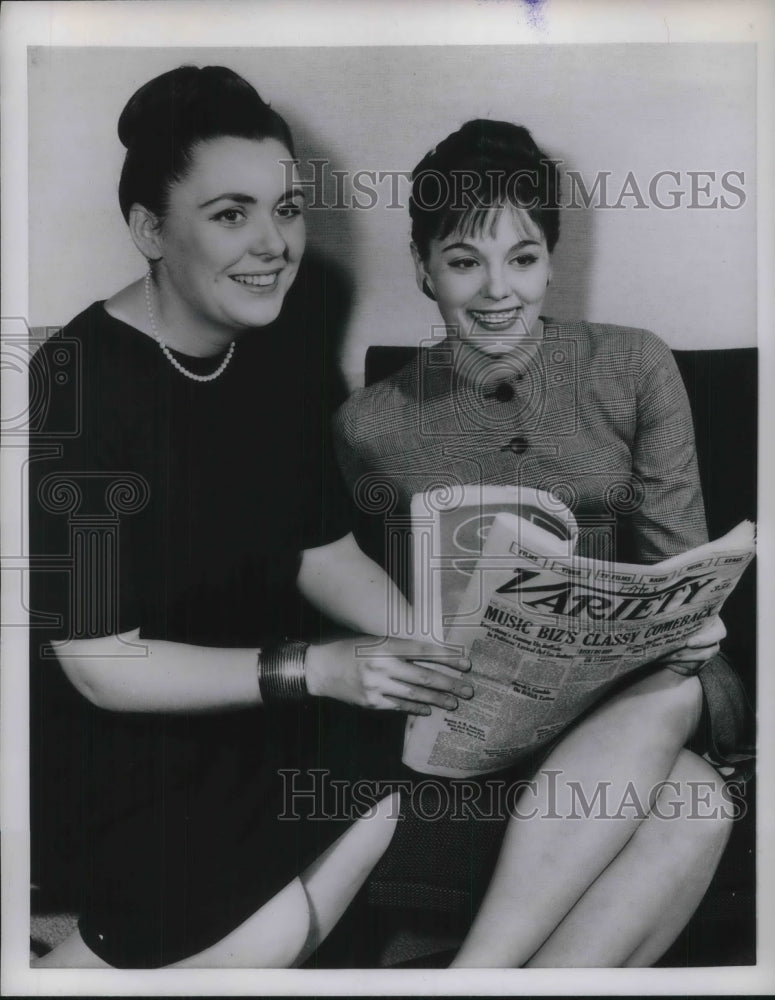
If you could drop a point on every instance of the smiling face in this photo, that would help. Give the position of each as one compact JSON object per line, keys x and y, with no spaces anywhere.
{"x":230,"y":243}
{"x":489,"y":283}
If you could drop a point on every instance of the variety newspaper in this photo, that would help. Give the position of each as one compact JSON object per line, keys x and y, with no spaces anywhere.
{"x":549,"y":633}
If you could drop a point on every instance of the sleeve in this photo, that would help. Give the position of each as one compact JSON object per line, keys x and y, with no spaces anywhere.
{"x":85,"y":503}
{"x":671,"y":517}
{"x":346,"y":445}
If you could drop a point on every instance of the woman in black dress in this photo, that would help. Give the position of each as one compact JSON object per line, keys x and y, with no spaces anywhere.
{"x":183,"y":508}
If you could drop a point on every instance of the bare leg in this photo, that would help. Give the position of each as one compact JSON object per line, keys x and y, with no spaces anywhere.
{"x":72,"y":953}
{"x":293,"y":922}
{"x":625,"y":748}
{"x":638,"y":906}
{"x":287,"y":928}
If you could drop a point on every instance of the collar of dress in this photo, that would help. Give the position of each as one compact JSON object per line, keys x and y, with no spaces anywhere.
{"x":439,"y":375}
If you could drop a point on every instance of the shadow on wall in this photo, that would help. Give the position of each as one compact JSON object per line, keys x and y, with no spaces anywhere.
{"x":573,"y":257}
{"x":329,"y":231}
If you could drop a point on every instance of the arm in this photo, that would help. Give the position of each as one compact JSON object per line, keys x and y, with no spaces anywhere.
{"x":671,"y":518}
{"x":162,"y":677}
{"x":179,"y":678}
{"x":174,"y":677}
{"x":353,"y":590}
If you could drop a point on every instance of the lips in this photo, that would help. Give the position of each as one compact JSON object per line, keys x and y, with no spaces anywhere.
{"x":263,"y":281}
{"x":500,"y":319}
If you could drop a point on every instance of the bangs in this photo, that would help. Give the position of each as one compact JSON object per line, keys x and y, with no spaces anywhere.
{"x":481,"y":220}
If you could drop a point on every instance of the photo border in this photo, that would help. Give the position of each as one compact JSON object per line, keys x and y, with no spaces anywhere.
{"x":347,"y":23}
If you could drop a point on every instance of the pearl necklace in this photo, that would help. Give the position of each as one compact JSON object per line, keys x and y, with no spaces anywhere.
{"x":168,"y":353}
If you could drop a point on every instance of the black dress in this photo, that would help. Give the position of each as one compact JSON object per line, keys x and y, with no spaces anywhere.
{"x":180,"y":508}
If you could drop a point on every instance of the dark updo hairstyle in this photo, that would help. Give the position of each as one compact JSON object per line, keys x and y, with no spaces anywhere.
{"x":483,"y":165}
{"x":168,"y":117}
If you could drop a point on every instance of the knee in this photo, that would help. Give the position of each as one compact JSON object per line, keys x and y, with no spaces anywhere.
{"x":685,"y":700}
{"x":72,"y":953}
{"x":669,"y":706}
{"x":700,"y":808}
{"x":379,"y":824}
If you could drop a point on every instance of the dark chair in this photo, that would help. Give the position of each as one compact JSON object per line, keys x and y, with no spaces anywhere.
{"x":722,"y":389}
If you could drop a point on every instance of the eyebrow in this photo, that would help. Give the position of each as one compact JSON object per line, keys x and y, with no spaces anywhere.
{"x":248,"y":199}
{"x":470,"y":246}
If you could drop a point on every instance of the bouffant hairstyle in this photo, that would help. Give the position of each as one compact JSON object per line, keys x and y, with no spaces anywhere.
{"x":484,"y":165}
{"x":168,"y":117}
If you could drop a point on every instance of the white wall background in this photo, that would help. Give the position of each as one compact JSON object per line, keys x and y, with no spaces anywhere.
{"x":689,"y":274}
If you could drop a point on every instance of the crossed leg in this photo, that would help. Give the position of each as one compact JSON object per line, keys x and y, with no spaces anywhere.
{"x":605,"y":886}
{"x":640,"y":903}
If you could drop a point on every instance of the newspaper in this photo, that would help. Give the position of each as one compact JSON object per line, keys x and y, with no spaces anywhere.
{"x":449,"y":526}
{"x":550,"y":633}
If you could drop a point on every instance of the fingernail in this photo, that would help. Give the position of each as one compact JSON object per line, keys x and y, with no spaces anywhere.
{"x":451,"y":702}
{"x":466,"y":691}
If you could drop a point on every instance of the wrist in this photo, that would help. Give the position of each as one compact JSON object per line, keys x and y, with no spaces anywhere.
{"x":315,"y":673}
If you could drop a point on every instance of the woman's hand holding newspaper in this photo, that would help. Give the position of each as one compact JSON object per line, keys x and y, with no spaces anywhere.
{"x":700,"y":648}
